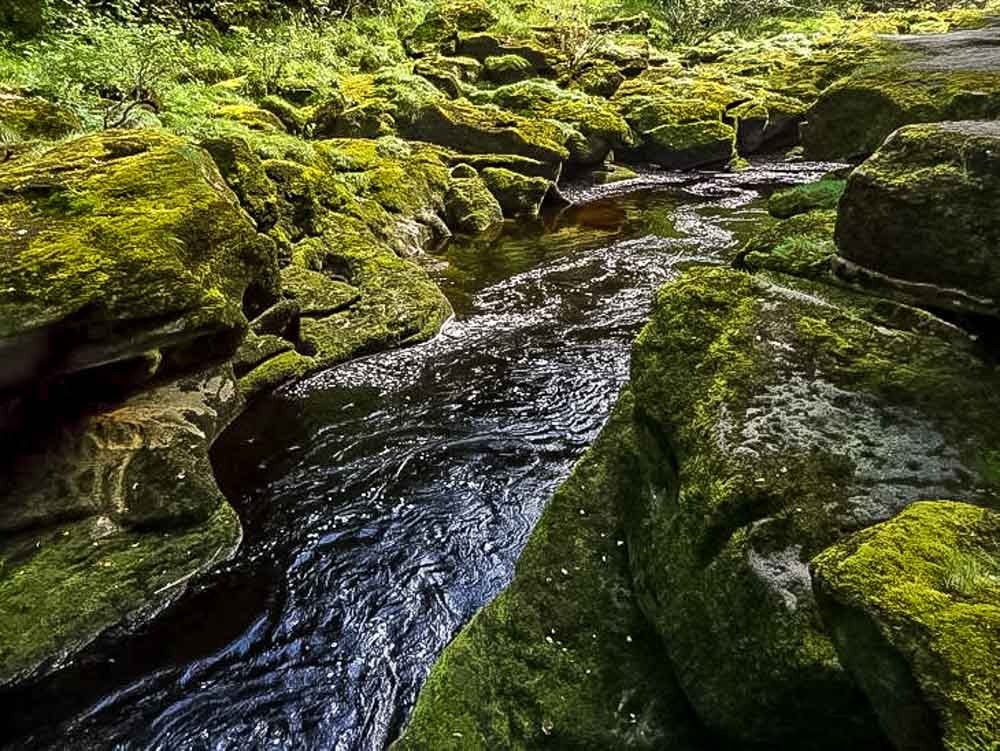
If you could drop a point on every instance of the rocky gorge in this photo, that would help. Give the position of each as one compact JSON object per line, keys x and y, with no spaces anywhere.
{"x":787,"y":533}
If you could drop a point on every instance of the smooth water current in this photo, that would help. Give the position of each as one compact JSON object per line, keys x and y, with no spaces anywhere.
{"x":386,"y":500}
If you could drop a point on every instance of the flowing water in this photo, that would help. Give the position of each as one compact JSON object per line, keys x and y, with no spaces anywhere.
{"x":386,"y":500}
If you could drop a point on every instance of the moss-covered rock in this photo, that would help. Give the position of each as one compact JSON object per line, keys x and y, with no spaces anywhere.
{"x":507,"y":69}
{"x":913,"y":606}
{"x":920,"y":216}
{"x":562,"y":658}
{"x":60,"y":590}
{"x":252,"y":117}
{"x":244,"y":173}
{"x":471,"y":207}
{"x":438,"y":31}
{"x":144,"y":464}
{"x":317,"y":294}
{"x":293,"y":118}
{"x":483,"y":46}
{"x":596,"y":120}
{"x":283,"y":368}
{"x":601,"y":79}
{"x":775,"y":417}
{"x":123,"y":243}
{"x":854,"y":116}
{"x":689,"y":145}
{"x":668,"y":95}
{"x":24,"y":118}
{"x":613,"y":173}
{"x":466,"y":127}
{"x":551,"y":171}
{"x":518,"y":195}
{"x":449,"y":74}
{"x":802,"y":245}
{"x":256,"y":350}
{"x":373,"y":105}
{"x":823,"y":194}
{"x":118,"y":511}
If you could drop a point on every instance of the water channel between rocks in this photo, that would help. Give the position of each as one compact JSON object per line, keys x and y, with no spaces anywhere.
{"x":388,"y":499}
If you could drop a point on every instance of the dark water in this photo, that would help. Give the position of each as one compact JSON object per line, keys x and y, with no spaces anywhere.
{"x":388,"y":499}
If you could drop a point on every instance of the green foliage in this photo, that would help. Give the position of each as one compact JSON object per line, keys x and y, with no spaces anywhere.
{"x":694,"y":21}
{"x":109,"y":70}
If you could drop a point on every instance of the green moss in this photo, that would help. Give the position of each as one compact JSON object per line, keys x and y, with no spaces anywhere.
{"x":802,"y":246}
{"x":922,"y":211}
{"x":748,"y":470}
{"x":824,"y":194}
{"x":128,"y":231}
{"x":470,"y":206}
{"x":61,"y":588}
{"x":252,"y":117}
{"x":518,"y":195}
{"x":278,"y":370}
{"x":316,"y":293}
{"x":506,"y":69}
{"x":465,"y":127}
{"x":914,"y":607}
{"x":599,"y":123}
{"x":689,"y":145}
{"x":29,"y":118}
{"x":562,"y":658}
{"x":855,"y":116}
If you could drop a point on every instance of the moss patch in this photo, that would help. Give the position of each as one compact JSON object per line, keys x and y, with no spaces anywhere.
{"x":914,"y":608}
{"x":60,"y":589}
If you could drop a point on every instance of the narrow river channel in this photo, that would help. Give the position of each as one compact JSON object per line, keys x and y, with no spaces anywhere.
{"x":386,"y":500}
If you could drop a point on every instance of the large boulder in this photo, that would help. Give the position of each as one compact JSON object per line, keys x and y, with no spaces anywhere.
{"x":775,"y":417}
{"x":854,"y":116}
{"x":913,"y":606}
{"x":118,"y":245}
{"x":105,"y":519}
{"x":439,"y":29}
{"x":471,"y":207}
{"x":518,"y":195}
{"x":920,"y":217}
{"x":687,"y":120}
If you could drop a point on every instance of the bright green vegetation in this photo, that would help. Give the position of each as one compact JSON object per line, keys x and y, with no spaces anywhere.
{"x":63,"y":587}
{"x":914,"y":609}
{"x":126,"y":242}
{"x":824,"y":194}
{"x":802,"y":245}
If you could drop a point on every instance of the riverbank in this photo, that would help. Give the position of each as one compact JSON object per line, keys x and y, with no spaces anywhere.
{"x":263,"y":216}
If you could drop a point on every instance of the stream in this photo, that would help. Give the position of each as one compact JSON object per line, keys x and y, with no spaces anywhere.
{"x":388,"y":499}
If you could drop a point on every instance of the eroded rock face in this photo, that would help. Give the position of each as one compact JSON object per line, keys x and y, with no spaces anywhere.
{"x":109,"y":517}
{"x":775,"y":417}
{"x":920,"y":217}
{"x":913,"y":606}
{"x":118,"y":245}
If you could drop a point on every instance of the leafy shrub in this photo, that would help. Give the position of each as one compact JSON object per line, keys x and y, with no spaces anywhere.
{"x":112,"y":68}
{"x":694,"y":21}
